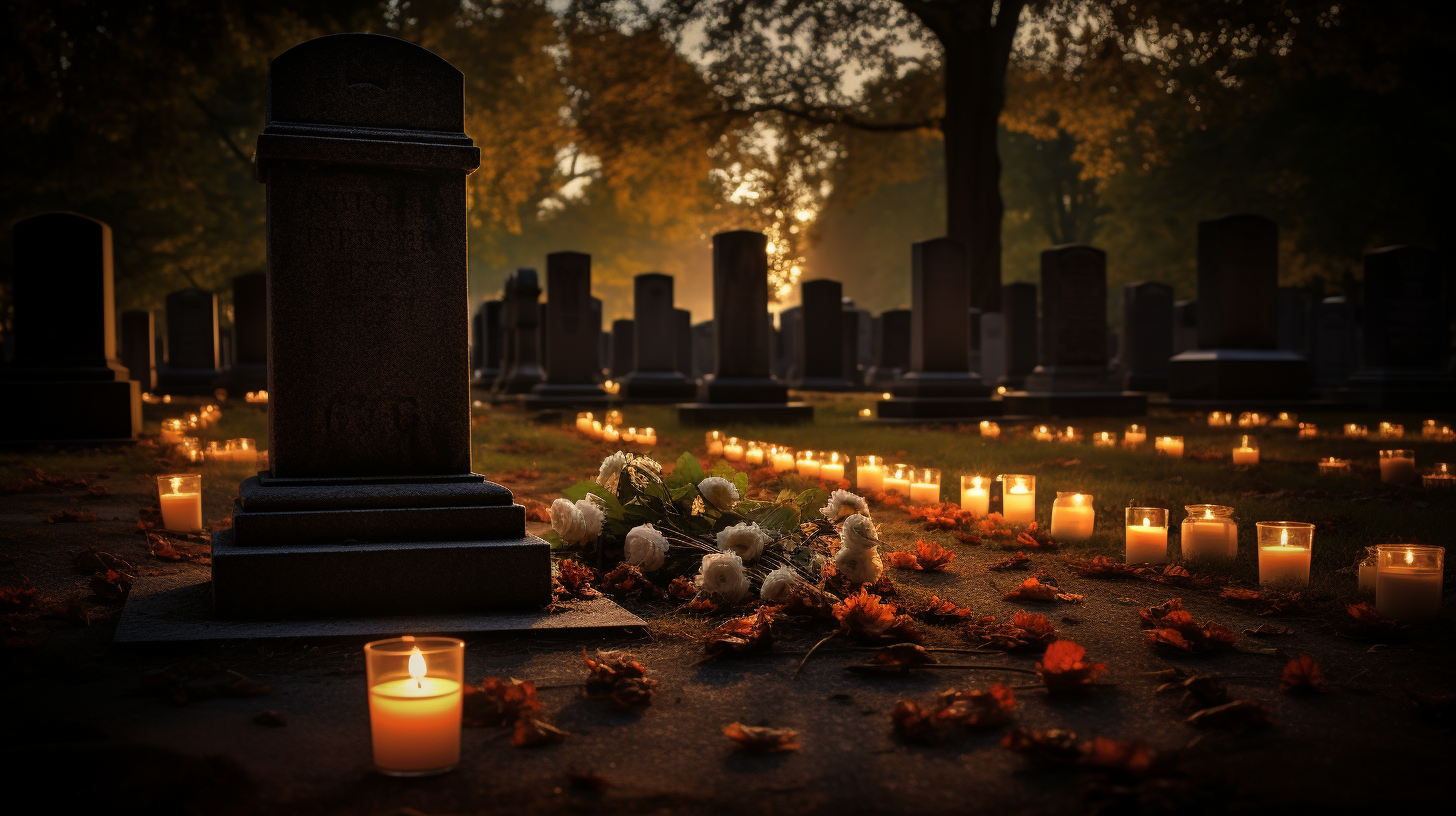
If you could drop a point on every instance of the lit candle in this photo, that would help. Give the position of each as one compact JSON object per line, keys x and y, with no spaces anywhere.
{"x":1391,"y":431}
{"x":1252,"y":419}
{"x":1070,"y":435}
{"x":172,"y":430}
{"x":629,"y":435}
{"x":989,"y":429}
{"x":1397,"y":466}
{"x":192,"y":421}
{"x":596,"y":430}
{"x":414,"y":704}
{"x":783,"y":459}
{"x":975,"y":496}
{"x":217,"y":453}
{"x":864,"y":412}
{"x":609,"y":434}
{"x":1104,"y":439}
{"x":180,"y":495}
{"x":886,"y":395}
{"x":1169,"y":446}
{"x":614,"y":418}
{"x":1440,"y":478}
{"x":1147,"y":535}
{"x":1246,"y":453}
{"x":1072,"y":517}
{"x":1330,"y":466}
{"x":1408,"y":581}
{"x":808,"y":465}
{"x":869,"y":474}
{"x":244,"y":450}
{"x":1429,"y":427}
{"x":754,"y":456}
{"x":832,"y":469}
{"x":1218,"y":419}
{"x":1284,"y":551}
{"x":1043,"y":433}
{"x":733,"y":450}
{"x":647,"y":436}
{"x":1018,"y":498}
{"x":1134,"y":435}
{"x":715,"y":443}
{"x":897,"y":480}
{"x":1284,"y":420}
{"x":584,"y":422}
{"x":1308,"y":430}
{"x":1209,"y":532}
{"x":925,"y":486}
{"x":1355,"y":431}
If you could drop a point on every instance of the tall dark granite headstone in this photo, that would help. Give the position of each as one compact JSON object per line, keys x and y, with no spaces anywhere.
{"x":524,"y":371}
{"x":1185,"y":326}
{"x":370,"y":506}
{"x":1336,"y":345}
{"x":624,"y":348}
{"x":138,"y":347}
{"x":571,"y":334}
{"x":490,"y":344}
{"x":65,"y":383}
{"x":1147,"y":319}
{"x":655,"y":376}
{"x":865,"y":342}
{"x":742,"y":387}
{"x":789,"y":344}
{"x":1237,"y":357}
{"x":1022,"y":332}
{"x":250,"y":333}
{"x":702,"y":349}
{"x":599,"y":347}
{"x":821,"y":337}
{"x":939,"y":384}
{"x":1073,"y":378}
{"x":192,"y":344}
{"x":1408,"y":295}
{"x":849,"y":347}
{"x":1295,"y":318}
{"x":543,"y":341}
{"x":683,"y":342}
{"x":893,"y":354}
{"x":508,"y":335}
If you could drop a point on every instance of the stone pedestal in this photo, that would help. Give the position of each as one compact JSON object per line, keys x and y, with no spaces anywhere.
{"x":1407,"y":349}
{"x":370,"y":506}
{"x":192,"y":344}
{"x":1147,"y":314}
{"x":821,"y":338}
{"x":138,"y":347}
{"x":65,"y":384}
{"x":655,"y":376}
{"x":570,"y":337}
{"x":249,"y":371}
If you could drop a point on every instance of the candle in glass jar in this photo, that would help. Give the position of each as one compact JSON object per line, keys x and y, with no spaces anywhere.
{"x":1218,"y":419}
{"x":975,"y":495}
{"x":1169,"y":446}
{"x":989,"y":429}
{"x":1284,"y":420}
{"x":629,"y":435}
{"x":897,"y":480}
{"x":715,"y":443}
{"x":1104,"y":439}
{"x":925,"y":486}
{"x":614,"y":418}
{"x":1043,"y":433}
{"x":415,"y":698}
{"x":1209,"y":532}
{"x":596,"y":430}
{"x":1246,"y":453}
{"x":1391,"y":431}
{"x":832,"y":469}
{"x":1147,"y":535}
{"x":754,"y":455}
{"x":180,"y":496}
{"x":244,"y":450}
{"x":172,"y":430}
{"x":1355,"y":431}
{"x":1440,"y":478}
{"x":1070,"y":435}
{"x":733,"y":449}
{"x":1330,"y":466}
{"x":647,"y":436}
{"x":1134,"y":435}
{"x":1408,"y":581}
{"x":869,"y":474}
{"x":609,"y":434}
{"x":783,"y":459}
{"x":584,"y":422}
{"x":1284,"y":551}
{"x":1018,"y":498}
{"x":1368,"y":567}
{"x":1072,"y":517}
{"x":807,"y":464}
{"x":1397,"y":466}
{"x":1308,"y":430}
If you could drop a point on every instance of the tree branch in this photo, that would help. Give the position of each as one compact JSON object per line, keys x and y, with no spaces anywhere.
{"x":825,"y":116}
{"x":222,"y":131}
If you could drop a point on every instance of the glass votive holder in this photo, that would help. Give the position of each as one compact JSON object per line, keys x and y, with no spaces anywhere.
{"x":415,"y":692}
{"x":1219,"y":419}
{"x":754,"y":455}
{"x":1072,"y":516}
{"x":629,"y":435}
{"x":1253,"y":419}
{"x":244,"y":450}
{"x":614,"y":418}
{"x":897,"y":479}
{"x":1147,"y":535}
{"x":807,"y":464}
{"x":831,"y":466}
{"x":597,"y":430}
{"x":781,"y":458}
{"x":1397,"y":467}
{"x":192,"y":421}
{"x":1283,"y":419}
{"x":1390,"y":430}
{"x":1440,"y":478}
{"x":1330,"y":466}
{"x":172,"y":430}
{"x":180,"y":496}
{"x":733,"y":450}
{"x":1308,"y":430}
{"x":610,"y":434}
{"x":1043,"y":433}
{"x":869,"y":474}
{"x":989,"y":429}
{"x":1209,"y":531}
{"x":1070,"y":434}
{"x":1018,"y":497}
{"x":1169,"y":446}
{"x":1284,"y":551}
{"x":1134,"y":435}
{"x":167,"y":398}
{"x":1430,"y":427}
{"x":1247,"y":452}
{"x":584,"y":422}
{"x":1356,"y":431}
{"x":1408,"y":581}
{"x":925,"y":486}
{"x":1369,"y":565}
{"x":714,"y":441}
{"x":976,"y":495}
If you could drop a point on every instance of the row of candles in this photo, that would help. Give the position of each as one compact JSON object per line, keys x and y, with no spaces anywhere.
{"x":609,"y":429}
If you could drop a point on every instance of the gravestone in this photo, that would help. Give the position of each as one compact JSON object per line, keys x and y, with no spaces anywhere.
{"x":865,"y":343}
{"x":1073,"y":377}
{"x":543,"y":357}
{"x":599,"y":346}
{"x":508,"y":335}
{"x":849,"y":348}
{"x":789,"y":344}
{"x":893,"y":356}
{"x":742,"y":387}
{"x":192,"y":344}
{"x":488,"y":321}
{"x":1336,"y":348}
{"x":1147,"y":321}
{"x":369,"y":506}
{"x":821,"y":337}
{"x":1238,"y":356}
{"x":623,"y":348}
{"x":683,"y":342}
{"x":138,"y":347}
{"x":523,"y":371}
{"x":993,"y":347}
{"x":939,"y":384}
{"x":250,"y":333}
{"x":702,"y":349}
{"x":1408,"y":298}
{"x":571,"y":377}
{"x":1296,"y":313}
{"x":654,"y":376}
{"x":973,"y":339}
{"x":1185,"y":326}
{"x":1022,"y":332}
{"x":64,"y":383}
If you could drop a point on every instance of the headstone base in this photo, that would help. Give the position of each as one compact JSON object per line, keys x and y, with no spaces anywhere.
{"x":484,"y":377}
{"x":656,"y":386}
{"x":1238,"y":374}
{"x":247,"y":377}
{"x":900,"y":409}
{"x":1147,"y":381}
{"x":754,"y":390}
{"x":195,"y":381}
{"x":946,"y":385}
{"x":881,"y":379}
{"x":521,"y":381}
{"x":1074,"y":404}
{"x":96,"y":412}
{"x":547,"y":397}
{"x":704,"y":414}
{"x":834,"y":384}
{"x":1069,"y":379}
{"x":1402,"y":390}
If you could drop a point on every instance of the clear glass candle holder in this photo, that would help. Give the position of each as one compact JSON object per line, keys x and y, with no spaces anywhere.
{"x":1369,"y":566}
{"x":714,"y":441}
{"x":1018,"y":497}
{"x":1408,"y":581}
{"x":1247,"y":452}
{"x":1397,"y":467}
{"x":925,"y":486}
{"x":989,"y":429}
{"x":610,"y":434}
{"x":865,"y":412}
{"x":869,"y":474}
{"x":1330,"y":466}
{"x":831,"y":466}
{"x":976,"y":495}
{"x":782,"y":458}
{"x":1308,"y":430}
{"x":180,"y":497}
{"x":1070,"y":434}
{"x":1104,"y":439}
{"x":647,"y":436}
{"x":1209,"y":532}
{"x":1147,"y":535}
{"x":1073,"y":516}
{"x":1284,"y":551}
{"x":1134,"y":435}
{"x":1389,"y":430}
{"x":1219,"y":419}
{"x":1043,"y":433}
{"x":1169,"y":446}
{"x":629,"y":435}
{"x":584,"y":421}
{"x":1430,"y":427}
{"x":733,"y":450}
{"x":614,"y":418}
{"x":1441,"y":478}
{"x":172,"y":430}
{"x":1356,"y":431}
{"x":415,"y":691}
{"x":807,"y":464}
{"x":244,"y":450}
{"x":897,"y":479}
{"x":1284,"y":419}
{"x":755,"y":453}
{"x":1253,"y":419}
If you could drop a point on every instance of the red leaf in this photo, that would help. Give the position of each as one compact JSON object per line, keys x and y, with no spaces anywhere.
{"x":618,"y":679}
{"x":1174,"y":629}
{"x":903,"y":560}
{"x":577,"y":579}
{"x":942,"y":611}
{"x":1040,"y":588}
{"x":626,"y":579}
{"x":682,"y":588}
{"x":762,"y":740}
{"x":18,"y":598}
{"x":1026,"y":632}
{"x":496,"y":702}
{"x":1063,"y":668}
{"x":1301,"y":675}
{"x":740,"y":636}
{"x":932,"y":557}
{"x":867,"y":620}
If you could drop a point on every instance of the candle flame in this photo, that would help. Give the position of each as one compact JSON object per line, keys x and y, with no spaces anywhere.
{"x":1410,"y":556}
{"x":885,"y":395}
{"x":1019,"y":487}
{"x":1077,"y":499}
{"x":1147,"y":522}
{"x":1284,"y":537}
{"x":833,"y":458}
{"x":1208,"y":514}
{"x":417,"y":667}
{"x":176,"y":484}
{"x":976,"y":481}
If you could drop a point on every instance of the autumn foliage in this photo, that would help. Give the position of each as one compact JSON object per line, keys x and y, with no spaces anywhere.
{"x":1064,"y":668}
{"x":1025,"y":632}
{"x":1301,"y":675}
{"x":866,"y":619}
{"x":761,"y":739}
{"x":1041,"y":587}
{"x":954,"y":710}
{"x":1171,"y":627}
{"x":740,"y":636}
{"x":618,"y":679}
{"x":928,"y":555}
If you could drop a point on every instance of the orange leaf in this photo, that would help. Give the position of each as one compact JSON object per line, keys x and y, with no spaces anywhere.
{"x":577,"y":579}
{"x":1301,"y":675}
{"x":903,"y":560}
{"x":1063,"y":668}
{"x":864,"y":618}
{"x":740,"y":636}
{"x":762,"y":740}
{"x":497,"y":702}
{"x":904,"y":654}
{"x":932,"y":556}
{"x":615,"y":677}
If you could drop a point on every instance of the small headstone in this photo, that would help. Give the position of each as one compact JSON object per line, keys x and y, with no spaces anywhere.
{"x":65,"y":382}
{"x":1408,"y":299}
{"x":822,"y":337}
{"x":1147,"y":322}
{"x":508,"y":333}
{"x":702,"y":349}
{"x":250,"y":333}
{"x":599,"y":348}
{"x":1335,"y":346}
{"x":570,"y":333}
{"x":490,"y":343}
{"x":993,"y":347}
{"x":789,"y":345}
{"x":624,"y":348}
{"x":683,"y":342}
{"x":654,"y":376}
{"x":192,"y":344}
{"x":849,"y":347}
{"x":138,"y":347}
{"x":1296,"y":310}
{"x":1185,"y":326}
{"x":524,"y":371}
{"x":1022,"y":332}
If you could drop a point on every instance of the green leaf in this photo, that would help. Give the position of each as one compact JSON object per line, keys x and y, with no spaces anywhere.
{"x":723,"y":470}
{"x":809,"y":503}
{"x":689,"y":468}
{"x":579,"y":491}
{"x":740,"y":481}
{"x":553,"y":539}
{"x":781,"y":520}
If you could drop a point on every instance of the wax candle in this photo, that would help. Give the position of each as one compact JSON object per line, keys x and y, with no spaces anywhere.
{"x":1355,"y":431}
{"x":1209,"y":531}
{"x":180,"y":495}
{"x":1072,"y":517}
{"x":167,"y":398}
{"x":808,"y":465}
{"x":192,"y":421}
{"x":1252,"y":419}
{"x":209,"y":414}
{"x":1284,"y":551}
{"x":975,"y":495}
{"x":1368,"y":567}
{"x":1070,"y":435}
{"x":610,"y":434}
{"x":989,"y":429}
{"x":1147,"y":535}
{"x":1169,"y":446}
{"x":1218,"y":419}
{"x":831,"y":469}
{"x":414,"y":704}
{"x":596,"y":430}
{"x":583,"y":422}
{"x":1284,"y":420}
{"x":869,"y":474}
{"x":1043,"y":433}
{"x":244,"y":450}
{"x":754,"y":455}
{"x":1134,"y":435}
{"x":1247,"y":453}
{"x":1104,"y":439}
{"x":647,"y":436}
{"x":715,"y":443}
{"x":1441,"y":478}
{"x":897,"y":479}
{"x":733,"y":449}
{"x":151,"y":399}
{"x":1397,"y":466}
{"x":629,"y":435}
{"x":1391,"y":431}
{"x":614,"y":418}
{"x":1018,"y":498}
{"x":886,"y":395}
{"x":1408,"y":581}
{"x":1330,"y":466}
{"x":172,"y":430}
{"x":1308,"y":430}
{"x":865,"y":412}
{"x":783,"y":459}
{"x":925,"y":486}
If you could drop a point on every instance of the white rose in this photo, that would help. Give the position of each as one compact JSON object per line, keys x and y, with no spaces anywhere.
{"x":611,"y":470}
{"x":844,"y":503}
{"x":778,"y":583}
{"x":858,"y":534}
{"x":722,"y":574}
{"x":592,"y":515}
{"x":645,"y":548}
{"x":859,"y":566}
{"x":745,"y":538}
{"x":567,"y":521}
{"x":719,"y":492}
